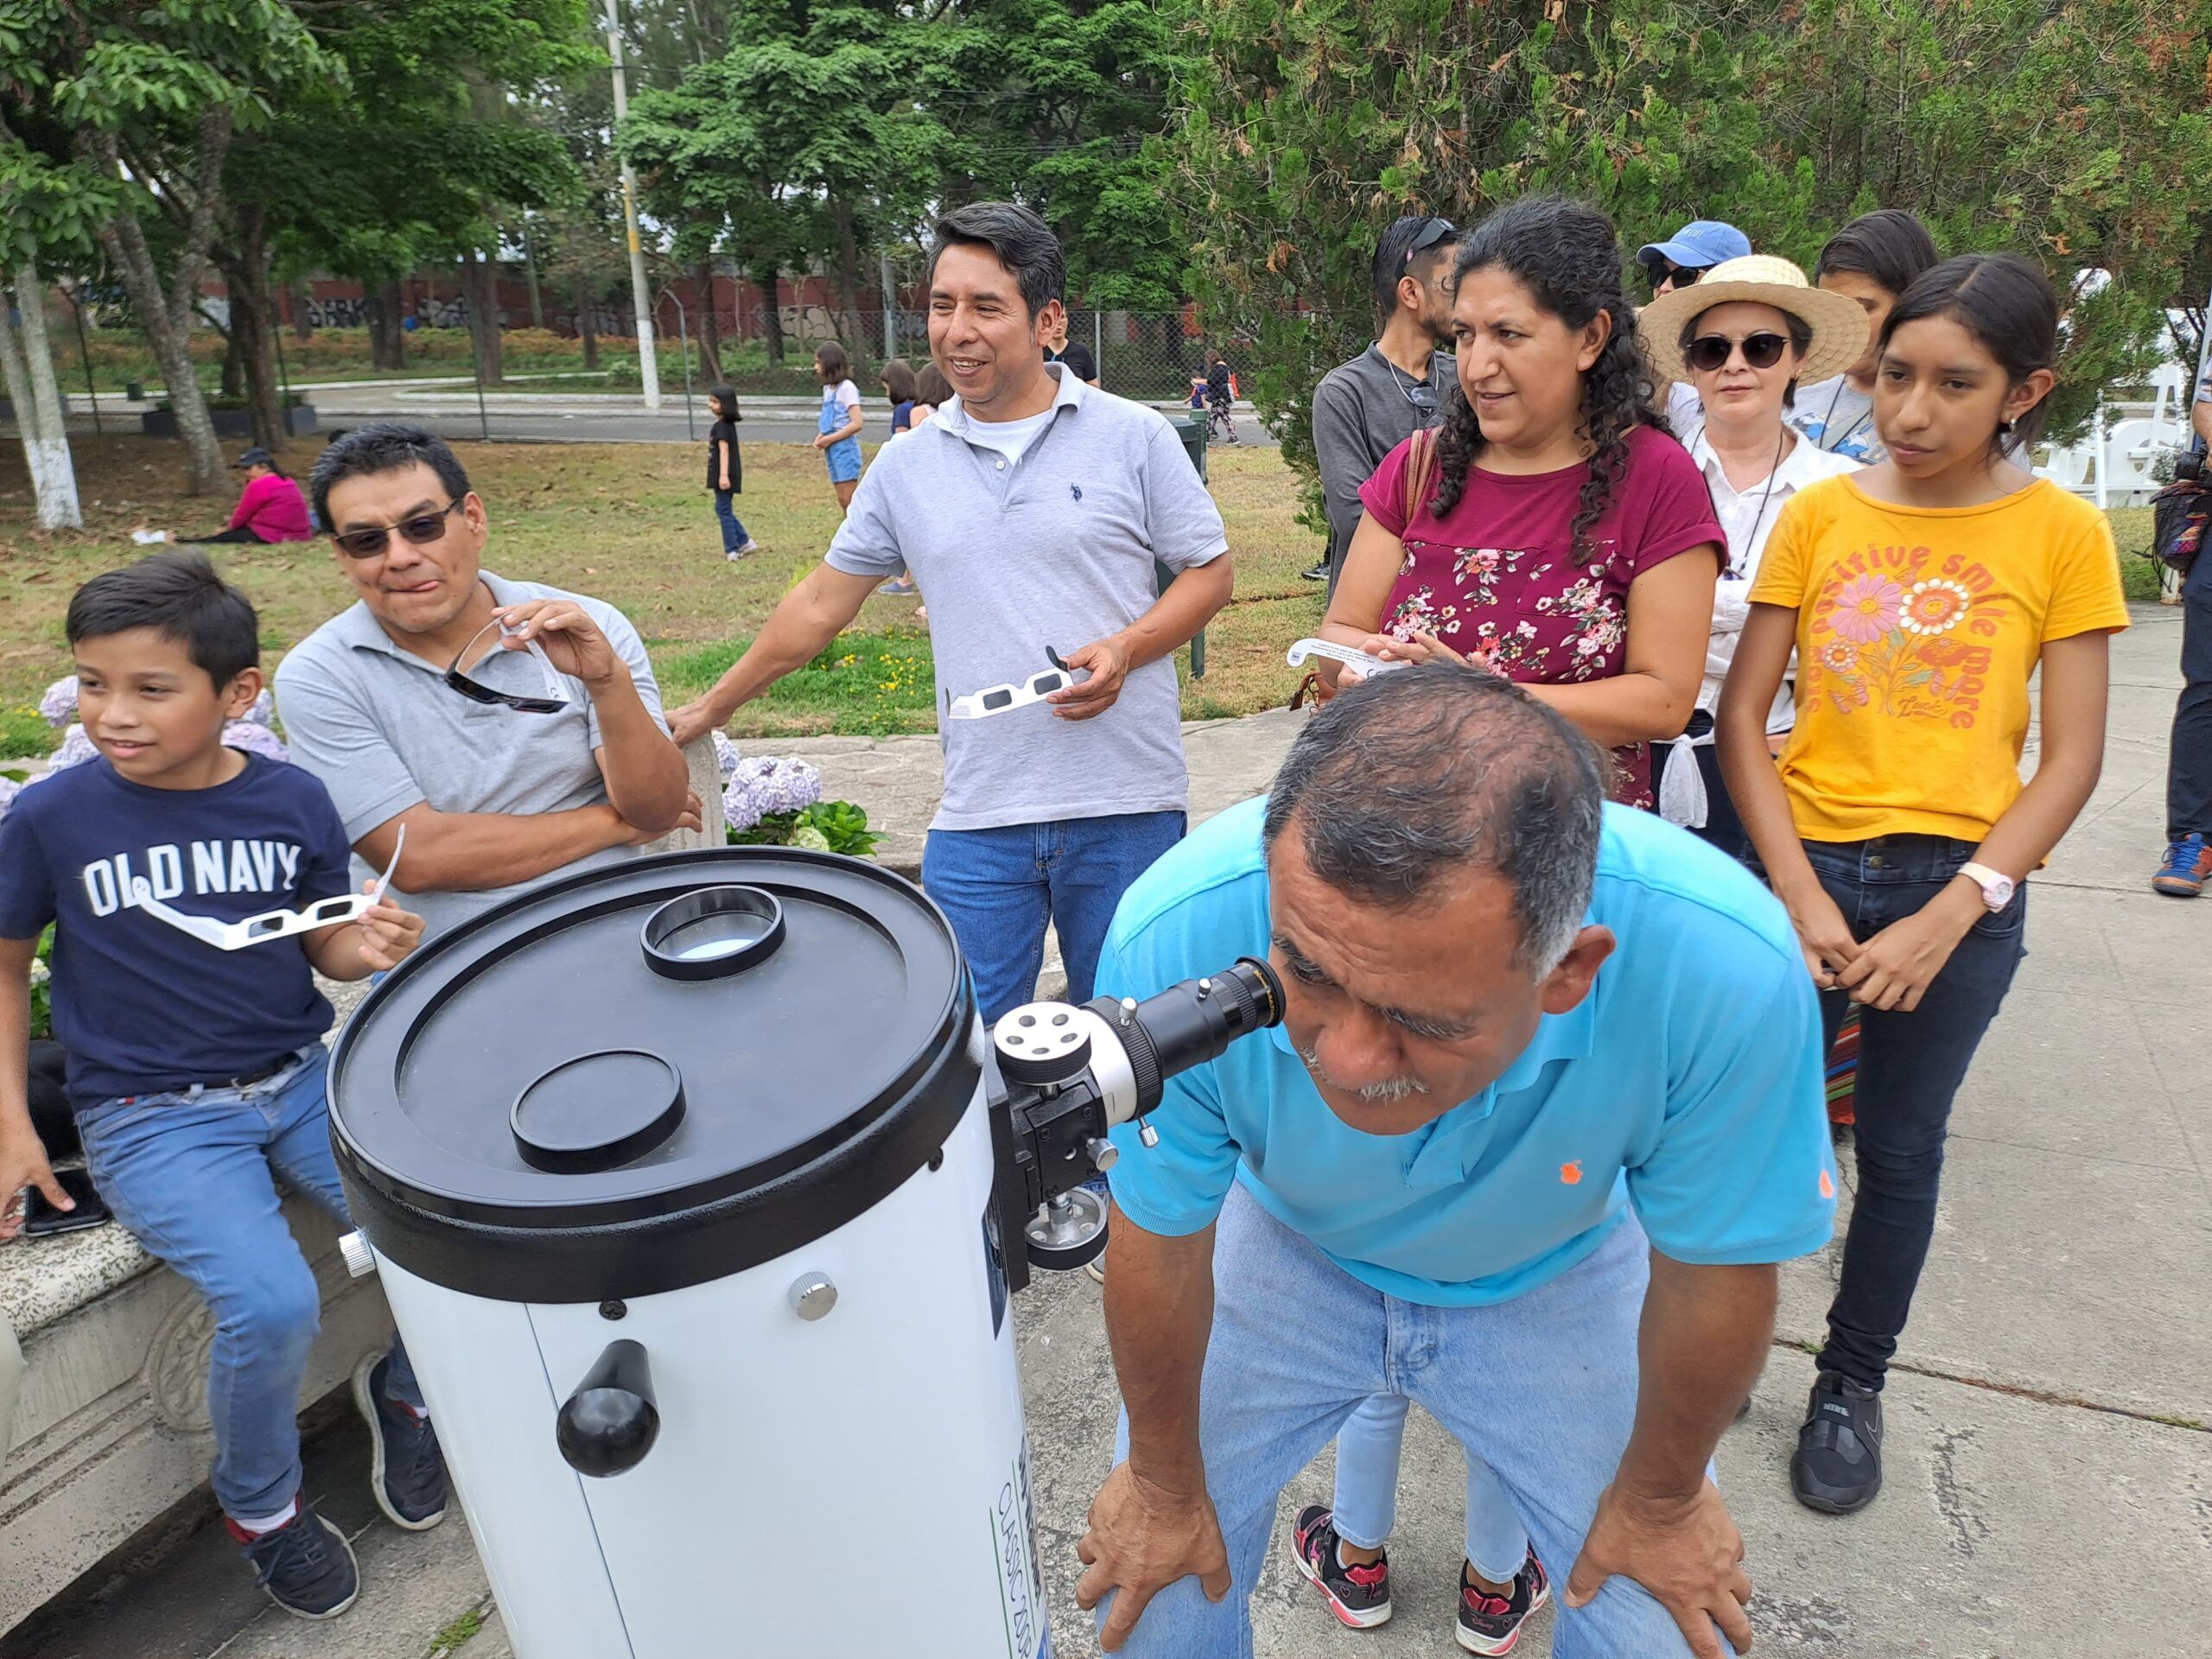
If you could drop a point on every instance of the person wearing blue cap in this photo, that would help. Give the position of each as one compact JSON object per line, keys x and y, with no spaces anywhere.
{"x":1676,"y":263}
{"x":1689,"y":253}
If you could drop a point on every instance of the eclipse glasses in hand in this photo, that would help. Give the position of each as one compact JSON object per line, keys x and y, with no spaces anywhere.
{"x":997,"y":699}
{"x":270,"y":924}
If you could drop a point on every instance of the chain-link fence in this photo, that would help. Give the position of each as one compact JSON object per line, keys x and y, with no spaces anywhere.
{"x":1156,"y":357}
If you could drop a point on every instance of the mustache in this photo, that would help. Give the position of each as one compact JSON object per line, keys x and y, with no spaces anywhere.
{"x":1389,"y":1089}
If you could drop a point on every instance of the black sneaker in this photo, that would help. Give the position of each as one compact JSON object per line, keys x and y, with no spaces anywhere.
{"x":1838,"y":1467}
{"x":1491,"y":1624}
{"x":306,"y":1565}
{"x":1360,"y":1596}
{"x":1319,"y":573}
{"x":408,"y":1471}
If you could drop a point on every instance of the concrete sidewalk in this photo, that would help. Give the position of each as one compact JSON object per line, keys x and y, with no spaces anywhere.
{"x":2049,"y":1462}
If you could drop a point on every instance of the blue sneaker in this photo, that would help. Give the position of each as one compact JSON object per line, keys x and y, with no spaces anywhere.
{"x":306,"y":1565}
{"x":409,"y":1472}
{"x":2187,"y":869}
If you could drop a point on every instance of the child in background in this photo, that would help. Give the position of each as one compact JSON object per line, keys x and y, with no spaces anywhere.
{"x":1221,"y":398}
{"x":899,"y":386}
{"x":1920,"y":595}
{"x":839,"y":437}
{"x":933,"y":391}
{"x":726,"y":472}
{"x":197,"y":1072}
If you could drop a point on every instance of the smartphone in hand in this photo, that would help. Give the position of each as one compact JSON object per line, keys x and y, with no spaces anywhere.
{"x":42,"y":1218}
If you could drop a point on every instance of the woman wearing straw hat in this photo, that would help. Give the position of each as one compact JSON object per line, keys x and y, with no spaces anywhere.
{"x":1743,"y":339}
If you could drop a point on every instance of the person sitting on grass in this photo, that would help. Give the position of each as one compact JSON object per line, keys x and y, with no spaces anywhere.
{"x":197,"y":1072}
{"x":270,"y":509}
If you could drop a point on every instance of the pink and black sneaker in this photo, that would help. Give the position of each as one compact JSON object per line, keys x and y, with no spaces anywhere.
{"x":1491,"y":1624}
{"x":1360,"y":1596}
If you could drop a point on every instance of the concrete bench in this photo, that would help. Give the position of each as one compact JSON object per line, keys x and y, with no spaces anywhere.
{"x":111,"y":1432}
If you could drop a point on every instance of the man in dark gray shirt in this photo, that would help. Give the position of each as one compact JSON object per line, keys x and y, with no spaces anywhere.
{"x":1364,"y":408}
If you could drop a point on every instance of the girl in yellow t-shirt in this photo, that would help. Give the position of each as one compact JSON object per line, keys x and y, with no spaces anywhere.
{"x":1920,"y":595}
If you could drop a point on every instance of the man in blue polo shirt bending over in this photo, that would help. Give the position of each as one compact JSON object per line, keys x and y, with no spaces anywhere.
{"x":1543,"y":1114}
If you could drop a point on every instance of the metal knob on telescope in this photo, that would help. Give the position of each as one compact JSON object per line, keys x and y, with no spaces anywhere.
{"x":610,"y":1422}
{"x":1041,"y":1043}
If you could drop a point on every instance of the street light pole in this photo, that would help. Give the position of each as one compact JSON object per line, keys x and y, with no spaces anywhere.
{"x":648,"y":371}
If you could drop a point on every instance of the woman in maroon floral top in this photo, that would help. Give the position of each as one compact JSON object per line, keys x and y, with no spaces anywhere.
{"x":1567,"y":542}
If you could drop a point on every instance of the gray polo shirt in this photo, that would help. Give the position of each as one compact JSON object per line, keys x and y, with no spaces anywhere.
{"x":383,"y":731}
{"x":1363,"y":409}
{"x":1055,"y":549}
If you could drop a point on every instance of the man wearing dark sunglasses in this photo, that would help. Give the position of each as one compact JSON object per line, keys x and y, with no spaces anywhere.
{"x":1364,"y":408}
{"x":513,"y":730}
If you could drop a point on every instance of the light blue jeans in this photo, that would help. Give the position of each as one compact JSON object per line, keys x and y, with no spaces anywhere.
{"x":1540,"y":1389}
{"x":193,"y":1175}
{"x":1366,"y":1502}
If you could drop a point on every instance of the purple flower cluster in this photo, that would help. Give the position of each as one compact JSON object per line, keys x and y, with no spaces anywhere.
{"x":726,"y":755}
{"x":256,"y":739}
{"x":59,"y":705}
{"x":767,"y":783}
{"x":76,"y":749}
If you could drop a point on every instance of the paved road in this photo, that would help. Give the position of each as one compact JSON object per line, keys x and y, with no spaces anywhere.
{"x":449,"y":409}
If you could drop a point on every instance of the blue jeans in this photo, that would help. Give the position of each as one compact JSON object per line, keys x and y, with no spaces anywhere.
{"x":1909,"y":1066}
{"x":1542,"y":1390}
{"x":1366,"y":1501}
{"x":2188,"y":758}
{"x":193,"y":1175}
{"x":733,"y":532}
{"x":844,"y":459}
{"x":998,"y":887}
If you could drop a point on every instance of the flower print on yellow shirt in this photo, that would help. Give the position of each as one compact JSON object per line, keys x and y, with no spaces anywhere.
{"x":1919,"y":630}
{"x":1901,"y":631}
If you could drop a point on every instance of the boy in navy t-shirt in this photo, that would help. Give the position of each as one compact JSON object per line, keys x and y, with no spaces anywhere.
{"x":196,"y":1071}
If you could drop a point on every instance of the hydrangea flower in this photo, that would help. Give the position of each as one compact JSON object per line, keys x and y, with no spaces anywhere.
{"x":59,"y":705}
{"x":8,"y":790}
{"x":263,"y":711}
{"x":726,"y":755}
{"x":256,"y":739}
{"x":766,"y":785}
{"x":76,"y":748}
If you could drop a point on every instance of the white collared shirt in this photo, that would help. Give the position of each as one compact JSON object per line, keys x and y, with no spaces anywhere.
{"x":1748,"y":516}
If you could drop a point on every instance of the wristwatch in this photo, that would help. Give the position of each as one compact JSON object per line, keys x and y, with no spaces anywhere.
{"x":1997,"y":889}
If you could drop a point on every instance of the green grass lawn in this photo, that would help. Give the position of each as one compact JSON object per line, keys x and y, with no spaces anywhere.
{"x":632,"y":524}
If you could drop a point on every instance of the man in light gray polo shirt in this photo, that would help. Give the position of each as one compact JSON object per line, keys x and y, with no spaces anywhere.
{"x":1030,"y":510}
{"x":1364,"y":408}
{"x":492,"y":795}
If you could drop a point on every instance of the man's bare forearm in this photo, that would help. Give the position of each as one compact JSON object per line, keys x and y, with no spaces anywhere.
{"x":467,"y":852}
{"x":1191,"y":600}
{"x":809,"y":617}
{"x":647,"y":779}
{"x":1704,"y":1337}
{"x":1159,"y":1313}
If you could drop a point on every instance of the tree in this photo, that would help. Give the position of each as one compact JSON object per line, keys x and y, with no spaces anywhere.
{"x":2071,"y":130}
{"x":51,"y":211}
{"x":1059,"y":104}
{"x":437,"y":124}
{"x":152,"y":94}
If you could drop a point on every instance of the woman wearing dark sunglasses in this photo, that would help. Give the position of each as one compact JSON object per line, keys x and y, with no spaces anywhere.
{"x":1742,"y":341}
